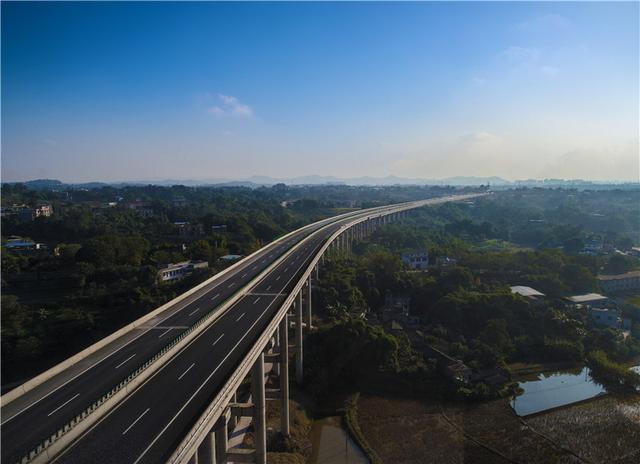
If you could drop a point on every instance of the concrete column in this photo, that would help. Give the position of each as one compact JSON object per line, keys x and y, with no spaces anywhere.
{"x":276,"y":365}
{"x":299,"y":364}
{"x":234,"y":399}
{"x":259,"y":410}
{"x":309,"y":315}
{"x":194,"y":458}
{"x":221,"y":436}
{"x":210,"y":444}
{"x":317,"y":269}
{"x":284,"y":376}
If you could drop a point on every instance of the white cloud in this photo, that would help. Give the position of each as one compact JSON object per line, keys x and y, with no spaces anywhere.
{"x":616,"y":162}
{"x":528,"y":58}
{"x":479,"y":137}
{"x":521,"y":55}
{"x":230,"y":106}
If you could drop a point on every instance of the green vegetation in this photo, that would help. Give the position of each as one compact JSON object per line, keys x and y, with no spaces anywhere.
{"x":350,"y":418}
{"x":464,"y":305}
{"x":103,"y":246}
{"x":615,"y":376}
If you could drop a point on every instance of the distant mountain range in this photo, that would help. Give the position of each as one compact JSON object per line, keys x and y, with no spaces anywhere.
{"x":258,"y":181}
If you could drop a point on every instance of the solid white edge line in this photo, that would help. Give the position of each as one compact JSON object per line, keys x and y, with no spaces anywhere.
{"x":211,"y":375}
{"x":135,"y":421}
{"x":185,"y":372}
{"x":167,"y":316}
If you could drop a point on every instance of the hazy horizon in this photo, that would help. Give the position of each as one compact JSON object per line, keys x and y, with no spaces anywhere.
{"x":315,"y":179}
{"x":119,"y":92}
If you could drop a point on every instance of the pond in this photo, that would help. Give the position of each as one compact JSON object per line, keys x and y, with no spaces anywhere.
{"x":554,"y":390}
{"x":332,"y":444}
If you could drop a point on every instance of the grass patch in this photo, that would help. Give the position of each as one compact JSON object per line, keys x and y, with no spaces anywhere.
{"x":407,"y":431}
{"x":633,"y":300}
{"x":350,"y":418}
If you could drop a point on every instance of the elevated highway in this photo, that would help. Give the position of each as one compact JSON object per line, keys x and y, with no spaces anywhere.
{"x":174,"y":397}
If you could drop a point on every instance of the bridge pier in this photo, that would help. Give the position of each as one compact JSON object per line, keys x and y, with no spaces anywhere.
{"x":284,"y":375}
{"x":308,"y":303}
{"x":259,"y":410}
{"x":299,"y":352}
{"x":209,"y":446}
{"x":276,"y":340}
{"x":221,"y":434}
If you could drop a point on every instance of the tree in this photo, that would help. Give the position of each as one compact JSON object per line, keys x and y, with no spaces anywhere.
{"x":619,"y":264}
{"x":201,"y":250}
{"x":496,"y":335}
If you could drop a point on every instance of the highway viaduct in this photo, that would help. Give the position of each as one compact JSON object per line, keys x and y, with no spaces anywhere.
{"x":164,"y":388}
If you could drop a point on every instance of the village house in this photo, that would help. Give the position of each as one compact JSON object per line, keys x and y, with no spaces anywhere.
{"x":620,"y":283}
{"x":416,"y":260}
{"x":528,"y":293}
{"x":180,"y":270}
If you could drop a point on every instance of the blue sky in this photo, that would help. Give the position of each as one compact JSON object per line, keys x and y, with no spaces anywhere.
{"x":125,"y":91}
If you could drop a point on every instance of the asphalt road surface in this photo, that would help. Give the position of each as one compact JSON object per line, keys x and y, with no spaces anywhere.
{"x":43,"y":410}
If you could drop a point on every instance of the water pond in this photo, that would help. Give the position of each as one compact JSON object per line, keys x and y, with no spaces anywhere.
{"x":551,"y":390}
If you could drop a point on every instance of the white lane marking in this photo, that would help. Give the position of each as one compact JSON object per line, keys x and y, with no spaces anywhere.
{"x":218,"y":339}
{"x":185,"y":372}
{"x":125,"y":360}
{"x":135,"y":421}
{"x":230,"y":285}
{"x":215,"y":296}
{"x":257,"y":299}
{"x":194,"y":311}
{"x":278,"y":278}
{"x":269,"y":288}
{"x":286,"y":269}
{"x":243,"y":275}
{"x":170,"y":313}
{"x":153,"y":442}
{"x":240,"y":317}
{"x":165,"y":333}
{"x":64,"y":404}
{"x":254,"y":268}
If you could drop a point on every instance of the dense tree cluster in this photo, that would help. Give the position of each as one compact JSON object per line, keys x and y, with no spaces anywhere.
{"x":100,"y":269}
{"x":466,"y":307}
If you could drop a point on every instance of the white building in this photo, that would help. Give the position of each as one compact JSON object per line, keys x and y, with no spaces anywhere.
{"x":416,"y":259}
{"x":180,"y":270}
{"x":528,"y":293}
{"x":629,"y":281}
{"x":593,"y":300}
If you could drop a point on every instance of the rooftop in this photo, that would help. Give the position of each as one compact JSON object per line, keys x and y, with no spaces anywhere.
{"x":525,"y":291}
{"x":587,"y":298}
{"x":19,"y":244}
{"x":626,"y":275}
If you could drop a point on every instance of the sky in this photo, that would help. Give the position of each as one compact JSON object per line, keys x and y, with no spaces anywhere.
{"x":148,"y":91}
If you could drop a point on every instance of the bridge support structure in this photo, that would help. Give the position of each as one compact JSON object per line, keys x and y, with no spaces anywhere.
{"x":275,"y":337}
